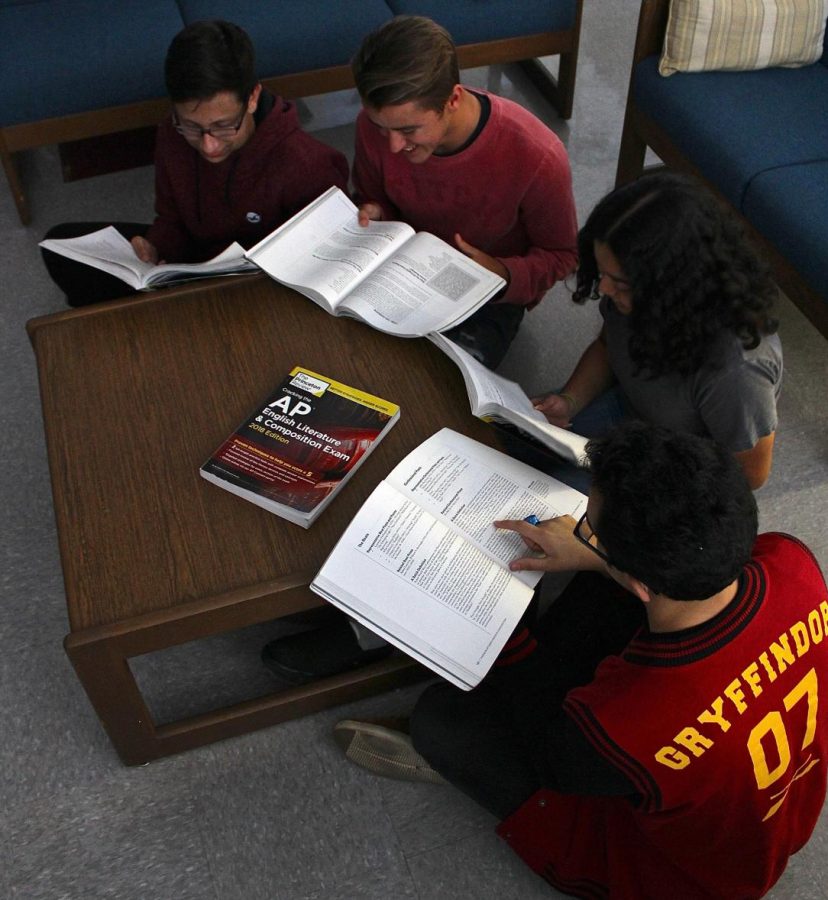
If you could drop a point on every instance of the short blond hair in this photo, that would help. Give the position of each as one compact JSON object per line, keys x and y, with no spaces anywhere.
{"x":408,"y":59}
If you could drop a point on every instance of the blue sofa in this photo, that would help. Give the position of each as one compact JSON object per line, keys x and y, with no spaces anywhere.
{"x":73,"y":69}
{"x":758,"y":138}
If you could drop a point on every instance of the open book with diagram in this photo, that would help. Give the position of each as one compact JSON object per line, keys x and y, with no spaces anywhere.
{"x":422,"y":565}
{"x":396,"y":280}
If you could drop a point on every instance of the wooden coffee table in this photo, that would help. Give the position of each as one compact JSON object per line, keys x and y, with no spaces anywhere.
{"x":136,"y":395}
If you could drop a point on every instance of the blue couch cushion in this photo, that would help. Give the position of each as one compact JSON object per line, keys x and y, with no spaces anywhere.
{"x":296,"y":35}
{"x":67,"y":56}
{"x":735,"y":124}
{"x":789,"y":206}
{"x":473,"y":21}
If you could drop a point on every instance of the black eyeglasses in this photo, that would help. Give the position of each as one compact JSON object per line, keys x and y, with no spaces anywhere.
{"x":586,"y":535}
{"x":219,"y":132}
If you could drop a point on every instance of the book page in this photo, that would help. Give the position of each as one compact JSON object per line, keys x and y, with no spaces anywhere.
{"x":410,"y":577}
{"x":496,"y":398}
{"x":107,"y":250}
{"x":467,"y":485}
{"x":427,"y":285}
{"x":229,"y":261}
{"x":323,"y":251}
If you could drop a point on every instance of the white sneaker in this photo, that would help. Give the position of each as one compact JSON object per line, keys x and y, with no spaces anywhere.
{"x":383,"y":751}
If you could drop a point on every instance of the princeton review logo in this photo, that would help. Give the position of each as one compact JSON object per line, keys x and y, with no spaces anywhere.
{"x":309,"y":384}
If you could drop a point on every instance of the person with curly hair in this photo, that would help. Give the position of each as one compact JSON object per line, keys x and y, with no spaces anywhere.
{"x":688,"y":340}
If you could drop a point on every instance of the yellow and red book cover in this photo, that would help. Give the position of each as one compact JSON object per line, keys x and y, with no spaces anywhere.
{"x":300,"y":446}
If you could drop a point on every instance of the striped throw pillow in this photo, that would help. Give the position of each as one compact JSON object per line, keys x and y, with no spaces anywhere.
{"x":709,"y":35}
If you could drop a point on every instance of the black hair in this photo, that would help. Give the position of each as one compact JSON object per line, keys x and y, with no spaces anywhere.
{"x":208,"y":57}
{"x":675,"y":510}
{"x":693,"y":274}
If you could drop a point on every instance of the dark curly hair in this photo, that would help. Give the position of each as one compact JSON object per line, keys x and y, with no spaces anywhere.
{"x":692,"y":272}
{"x":676,"y":511}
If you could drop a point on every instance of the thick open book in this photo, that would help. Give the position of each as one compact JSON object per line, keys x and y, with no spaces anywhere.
{"x":111,"y":252}
{"x":385,"y":274}
{"x":297,"y":450}
{"x":422,"y":565}
{"x":496,"y":399}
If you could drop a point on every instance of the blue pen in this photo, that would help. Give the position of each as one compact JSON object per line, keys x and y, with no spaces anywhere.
{"x":532,"y":519}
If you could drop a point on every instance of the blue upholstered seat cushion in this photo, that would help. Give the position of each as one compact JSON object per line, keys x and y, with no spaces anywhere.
{"x":67,"y":56}
{"x":296,"y":35}
{"x":472,"y":21}
{"x":789,"y":205}
{"x":732,"y":125}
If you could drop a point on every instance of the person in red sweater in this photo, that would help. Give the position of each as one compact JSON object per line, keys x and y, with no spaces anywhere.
{"x":481,"y":173}
{"x":661,"y":730}
{"x":477,"y":170}
{"x":231,"y":164}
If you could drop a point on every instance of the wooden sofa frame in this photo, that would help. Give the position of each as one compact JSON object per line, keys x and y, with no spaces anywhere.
{"x":640,"y":132}
{"x":523,"y":50}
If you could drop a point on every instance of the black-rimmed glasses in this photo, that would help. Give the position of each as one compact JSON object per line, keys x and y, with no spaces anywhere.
{"x":219,"y":132}
{"x":586,"y":535}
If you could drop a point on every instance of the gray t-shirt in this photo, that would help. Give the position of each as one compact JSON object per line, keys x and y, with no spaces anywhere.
{"x":735,"y":404}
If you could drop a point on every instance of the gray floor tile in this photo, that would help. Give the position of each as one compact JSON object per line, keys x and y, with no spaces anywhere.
{"x":204,"y":675}
{"x":51,"y":739}
{"x":800,"y":457}
{"x":806,"y":367}
{"x":799,"y":512}
{"x":125,"y":841}
{"x":428,"y":816}
{"x":285,"y":818}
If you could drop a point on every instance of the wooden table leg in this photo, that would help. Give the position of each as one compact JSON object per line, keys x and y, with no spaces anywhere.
{"x":110,"y":685}
{"x":102,"y":666}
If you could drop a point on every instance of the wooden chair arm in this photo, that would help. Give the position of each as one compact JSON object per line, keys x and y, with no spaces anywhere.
{"x":652,"y":23}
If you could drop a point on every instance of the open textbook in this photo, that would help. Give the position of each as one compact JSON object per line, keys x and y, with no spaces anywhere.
{"x":111,"y":252}
{"x":385,"y":274}
{"x":496,"y":399}
{"x":422,"y":565}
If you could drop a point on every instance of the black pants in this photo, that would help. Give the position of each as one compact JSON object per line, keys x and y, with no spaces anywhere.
{"x":488,"y":334}
{"x":470,"y":738}
{"x":84,"y":284}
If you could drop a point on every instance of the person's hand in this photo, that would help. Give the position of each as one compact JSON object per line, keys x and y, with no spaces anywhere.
{"x":369,"y":212}
{"x":556,"y":407}
{"x":554,"y":538}
{"x":481,"y":258}
{"x":144,"y":250}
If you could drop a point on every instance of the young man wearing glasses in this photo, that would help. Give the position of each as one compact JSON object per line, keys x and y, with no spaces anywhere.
{"x":661,"y":730}
{"x":231,"y":163}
